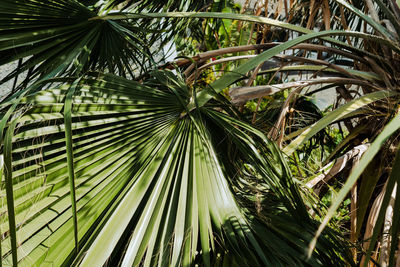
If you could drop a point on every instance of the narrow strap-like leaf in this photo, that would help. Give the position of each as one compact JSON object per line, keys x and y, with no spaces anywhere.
{"x":204,"y":96}
{"x":393,"y":179}
{"x":241,"y":17}
{"x":390,"y":15}
{"x":336,"y":115}
{"x":70,"y":155}
{"x":396,"y":222}
{"x":390,"y":128}
{"x":9,"y":190}
{"x":366,"y":18}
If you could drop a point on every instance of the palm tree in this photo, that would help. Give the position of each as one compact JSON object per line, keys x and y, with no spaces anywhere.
{"x":101,"y":167}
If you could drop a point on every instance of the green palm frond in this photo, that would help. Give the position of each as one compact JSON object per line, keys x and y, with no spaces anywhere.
{"x":152,"y":184}
{"x":54,"y":37}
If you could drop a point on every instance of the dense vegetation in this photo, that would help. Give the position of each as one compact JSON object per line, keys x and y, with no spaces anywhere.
{"x":114,"y":153}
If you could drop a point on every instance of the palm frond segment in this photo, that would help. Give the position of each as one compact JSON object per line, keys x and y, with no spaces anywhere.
{"x":56,"y":37}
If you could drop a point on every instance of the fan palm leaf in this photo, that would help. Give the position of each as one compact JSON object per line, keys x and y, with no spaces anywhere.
{"x":151,"y":185}
{"x":56,"y":37}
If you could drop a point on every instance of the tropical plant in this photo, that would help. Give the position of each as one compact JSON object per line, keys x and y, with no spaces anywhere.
{"x":150,"y":168}
{"x":100,"y":169}
{"x":361,"y":64}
